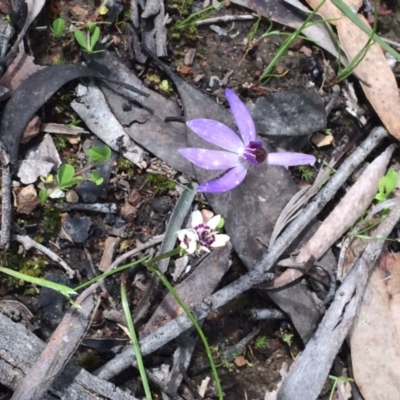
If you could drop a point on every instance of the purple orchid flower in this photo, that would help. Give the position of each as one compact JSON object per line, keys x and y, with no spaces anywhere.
{"x":241,"y":152}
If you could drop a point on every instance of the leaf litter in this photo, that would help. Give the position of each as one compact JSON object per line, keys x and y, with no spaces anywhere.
{"x":151,"y":123}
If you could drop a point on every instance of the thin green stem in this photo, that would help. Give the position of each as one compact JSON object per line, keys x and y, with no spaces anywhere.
{"x":168,"y":254}
{"x":204,"y":13}
{"x":286,"y":44}
{"x":134,"y":339}
{"x":108,"y":273}
{"x":153,"y":267}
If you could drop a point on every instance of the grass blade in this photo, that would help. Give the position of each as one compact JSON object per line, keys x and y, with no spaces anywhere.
{"x":134,"y":339}
{"x":353,"y":17}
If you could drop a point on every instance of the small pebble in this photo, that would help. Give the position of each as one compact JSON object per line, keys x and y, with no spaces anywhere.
{"x":162,"y":204}
{"x":72,"y":197}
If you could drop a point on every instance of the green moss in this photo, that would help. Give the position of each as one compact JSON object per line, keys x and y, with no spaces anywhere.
{"x":32,"y":266}
{"x":126,"y":166}
{"x":73,"y":160}
{"x":160,"y":183}
{"x":306,"y":173}
{"x":89,"y":360}
{"x":50,"y":222}
{"x":61,"y":142}
{"x":261,"y":342}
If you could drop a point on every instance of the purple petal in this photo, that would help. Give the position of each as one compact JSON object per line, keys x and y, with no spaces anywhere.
{"x":210,"y":159}
{"x":216,"y":133}
{"x":228,"y":181}
{"x":290,"y":159}
{"x":242,"y":116}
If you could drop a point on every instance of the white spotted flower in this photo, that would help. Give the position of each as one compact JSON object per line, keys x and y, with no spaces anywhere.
{"x":202,"y":236}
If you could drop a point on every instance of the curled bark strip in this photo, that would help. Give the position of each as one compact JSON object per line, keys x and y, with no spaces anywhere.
{"x":322,"y":349}
{"x":29,"y":97}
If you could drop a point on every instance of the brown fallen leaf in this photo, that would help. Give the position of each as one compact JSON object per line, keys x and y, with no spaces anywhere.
{"x":240,"y":361}
{"x":375,"y":336}
{"x":376,"y":78}
{"x":321,"y":140}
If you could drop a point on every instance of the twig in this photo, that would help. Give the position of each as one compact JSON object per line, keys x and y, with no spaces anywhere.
{"x":257,"y":275}
{"x":6,"y":206}
{"x":121,"y":259}
{"x":102,"y":285}
{"x":61,"y":129}
{"x":333,"y":100}
{"x":19,"y":351}
{"x":225,"y":18}
{"x":162,"y":386}
{"x":28,"y":243}
{"x":348,"y":241}
{"x":232,"y":351}
{"x":105,"y":208}
{"x":266,"y":313}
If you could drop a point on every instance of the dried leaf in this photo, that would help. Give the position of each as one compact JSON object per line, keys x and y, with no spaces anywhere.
{"x":375,"y":337}
{"x":376,"y":77}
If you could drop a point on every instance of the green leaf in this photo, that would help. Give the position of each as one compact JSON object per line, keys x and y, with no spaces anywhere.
{"x":81,"y":39}
{"x":220,"y":224}
{"x":64,"y":290}
{"x":94,"y":37}
{"x":390,"y":180}
{"x":58,"y":27}
{"x":90,"y":26}
{"x":387,"y":184}
{"x":381,"y":185}
{"x":96,"y":178}
{"x":43,"y":195}
{"x":65,"y":175}
{"x":380,"y":197}
{"x":98,"y":154}
{"x":72,"y":182}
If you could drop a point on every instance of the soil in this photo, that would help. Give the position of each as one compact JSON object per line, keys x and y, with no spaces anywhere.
{"x":219,"y":59}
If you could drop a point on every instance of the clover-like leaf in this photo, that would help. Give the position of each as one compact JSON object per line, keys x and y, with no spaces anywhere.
{"x":96,"y":178}
{"x":81,"y":39}
{"x":387,"y":184}
{"x":94,"y":37}
{"x":65,"y":175}
{"x":99,"y":154}
{"x":43,"y":195}
{"x":58,"y":27}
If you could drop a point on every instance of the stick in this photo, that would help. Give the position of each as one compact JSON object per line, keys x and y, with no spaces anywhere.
{"x":28,"y":243}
